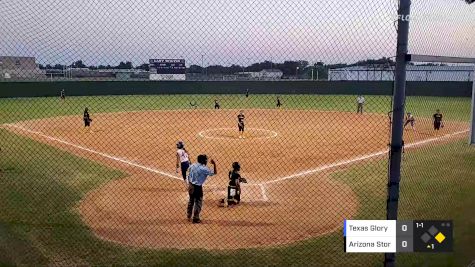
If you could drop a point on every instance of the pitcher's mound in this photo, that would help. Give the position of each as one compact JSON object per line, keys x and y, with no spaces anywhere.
{"x":232,"y":133}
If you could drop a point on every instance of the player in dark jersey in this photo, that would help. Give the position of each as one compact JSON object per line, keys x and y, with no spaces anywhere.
{"x":62,"y":95}
{"x":278,"y":102}
{"x":87,"y":119}
{"x":438,"y":120}
{"x":410,"y":120}
{"x":234,"y":188}
{"x":247,"y":93}
{"x":241,"y":124}
{"x":216,"y":104}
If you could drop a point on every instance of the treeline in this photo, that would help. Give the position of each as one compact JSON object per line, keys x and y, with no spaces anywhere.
{"x":290,"y":68}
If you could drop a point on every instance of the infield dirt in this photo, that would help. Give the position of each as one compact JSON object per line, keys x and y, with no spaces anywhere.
{"x":147,"y":209}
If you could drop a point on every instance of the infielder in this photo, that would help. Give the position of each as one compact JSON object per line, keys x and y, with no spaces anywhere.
{"x":241,"y":124}
{"x":410,"y":120}
{"x":279,"y":104}
{"x":438,"y":123}
{"x":87,"y":119}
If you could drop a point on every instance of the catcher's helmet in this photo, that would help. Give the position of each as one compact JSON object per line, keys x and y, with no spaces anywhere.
{"x":236,"y":166}
{"x":180,"y":145}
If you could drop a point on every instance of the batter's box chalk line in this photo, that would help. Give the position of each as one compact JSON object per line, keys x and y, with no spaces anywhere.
{"x":261,"y":186}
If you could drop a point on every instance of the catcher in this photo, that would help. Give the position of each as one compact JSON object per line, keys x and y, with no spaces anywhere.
{"x":234,"y":187}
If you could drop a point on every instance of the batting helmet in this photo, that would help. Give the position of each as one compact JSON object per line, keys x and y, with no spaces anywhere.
{"x":236,"y":166}
{"x":180,"y":145}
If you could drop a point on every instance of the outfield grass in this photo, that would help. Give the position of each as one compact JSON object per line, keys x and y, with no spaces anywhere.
{"x":33,"y":108}
{"x":41,"y":185}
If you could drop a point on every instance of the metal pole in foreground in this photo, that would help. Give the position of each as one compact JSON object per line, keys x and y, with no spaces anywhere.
{"x":472,"y":121}
{"x":397,"y":120}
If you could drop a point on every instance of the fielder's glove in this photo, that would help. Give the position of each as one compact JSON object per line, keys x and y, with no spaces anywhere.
{"x":243,"y":180}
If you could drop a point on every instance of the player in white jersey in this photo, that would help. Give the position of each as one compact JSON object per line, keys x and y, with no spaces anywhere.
{"x":410,"y":120}
{"x":182,"y":159}
{"x":360,"y":100}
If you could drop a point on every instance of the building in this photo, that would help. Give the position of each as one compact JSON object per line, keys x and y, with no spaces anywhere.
{"x":271,"y":74}
{"x":265,"y":74}
{"x":414,"y":73}
{"x":12,"y":67}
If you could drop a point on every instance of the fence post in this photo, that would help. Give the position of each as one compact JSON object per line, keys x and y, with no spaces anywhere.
{"x":472,"y":120}
{"x":397,"y":120}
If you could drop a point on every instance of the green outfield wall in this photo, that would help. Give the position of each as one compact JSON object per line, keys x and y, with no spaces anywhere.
{"x":88,"y":88}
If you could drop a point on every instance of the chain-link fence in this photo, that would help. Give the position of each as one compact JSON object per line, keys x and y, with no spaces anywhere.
{"x":108,"y":106}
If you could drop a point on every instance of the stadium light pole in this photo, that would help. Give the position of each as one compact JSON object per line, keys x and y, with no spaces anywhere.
{"x":399,"y":96}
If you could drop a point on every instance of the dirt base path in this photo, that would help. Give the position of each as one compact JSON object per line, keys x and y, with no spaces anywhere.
{"x":283,"y":203}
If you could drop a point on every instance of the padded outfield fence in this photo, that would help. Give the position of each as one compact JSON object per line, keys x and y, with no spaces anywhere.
{"x":82,"y":88}
{"x":105,"y":186}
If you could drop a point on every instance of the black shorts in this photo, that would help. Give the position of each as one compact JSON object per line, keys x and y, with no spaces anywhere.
{"x":241,"y":127}
{"x":87,"y":123}
{"x":437,"y":125}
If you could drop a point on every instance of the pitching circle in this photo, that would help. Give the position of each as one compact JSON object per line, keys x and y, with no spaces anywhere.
{"x":232,"y":133}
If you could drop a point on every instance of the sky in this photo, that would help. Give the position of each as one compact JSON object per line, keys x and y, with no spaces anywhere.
{"x":229,"y":32}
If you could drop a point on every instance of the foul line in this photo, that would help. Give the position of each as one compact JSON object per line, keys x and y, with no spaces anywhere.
{"x":368,"y":156}
{"x":263,"y":192}
{"x":96,"y":152}
{"x":261,"y":185}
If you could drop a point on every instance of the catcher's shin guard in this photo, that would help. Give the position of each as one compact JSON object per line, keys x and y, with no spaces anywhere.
{"x":234,"y":196}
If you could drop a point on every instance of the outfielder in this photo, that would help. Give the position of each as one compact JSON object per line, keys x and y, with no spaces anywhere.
{"x":360,"y":101}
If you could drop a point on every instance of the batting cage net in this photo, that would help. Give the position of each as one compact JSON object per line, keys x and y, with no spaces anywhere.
{"x":218,"y":133}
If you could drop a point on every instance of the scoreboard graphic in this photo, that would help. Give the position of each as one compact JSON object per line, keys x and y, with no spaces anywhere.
{"x":391,"y":236}
{"x":167,"y":69}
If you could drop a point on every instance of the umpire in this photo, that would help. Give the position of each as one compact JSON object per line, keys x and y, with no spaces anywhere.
{"x":199,"y":172}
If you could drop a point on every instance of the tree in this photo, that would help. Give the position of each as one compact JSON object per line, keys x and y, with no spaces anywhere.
{"x":126,"y":65}
{"x":59,"y":67}
{"x":195,"y":69}
{"x":78,"y":64}
{"x":144,"y":66}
